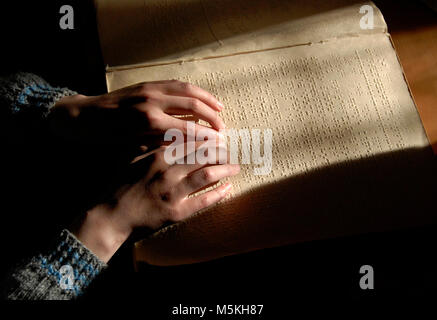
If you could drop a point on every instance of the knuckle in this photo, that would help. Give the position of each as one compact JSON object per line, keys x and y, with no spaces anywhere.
{"x":152,"y":118}
{"x":165,"y":176}
{"x":144,"y":88}
{"x":207,"y":175}
{"x":194,"y":104}
{"x":183,"y":128}
{"x":148,"y":114}
{"x":150,"y":93}
{"x":185,"y":86}
{"x":205,"y":201}
{"x":228,"y":170}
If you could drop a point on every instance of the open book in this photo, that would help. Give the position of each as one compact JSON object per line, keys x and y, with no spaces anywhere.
{"x":349,"y":152}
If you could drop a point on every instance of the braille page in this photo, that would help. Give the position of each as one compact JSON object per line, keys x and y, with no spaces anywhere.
{"x":138,"y":32}
{"x":349,"y":151}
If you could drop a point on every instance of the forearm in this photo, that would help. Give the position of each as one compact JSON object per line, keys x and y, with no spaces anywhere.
{"x":45,"y":276}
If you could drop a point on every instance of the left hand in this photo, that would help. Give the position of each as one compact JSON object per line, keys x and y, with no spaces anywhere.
{"x":165,"y":193}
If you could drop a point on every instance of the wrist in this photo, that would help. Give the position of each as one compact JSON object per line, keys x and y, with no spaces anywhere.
{"x":101,"y":232}
{"x":72,"y":104}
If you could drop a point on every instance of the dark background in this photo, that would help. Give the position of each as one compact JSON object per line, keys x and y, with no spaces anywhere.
{"x":46,"y":182}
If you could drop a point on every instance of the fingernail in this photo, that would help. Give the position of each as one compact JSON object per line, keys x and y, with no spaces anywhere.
{"x":221,"y":138}
{"x":220,"y":105}
{"x":226,"y":189}
{"x":221,"y":124}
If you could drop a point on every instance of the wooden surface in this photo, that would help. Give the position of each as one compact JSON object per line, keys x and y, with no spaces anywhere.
{"x":413,"y":27}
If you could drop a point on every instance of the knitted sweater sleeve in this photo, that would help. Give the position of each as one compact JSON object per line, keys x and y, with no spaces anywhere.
{"x":63,"y":272}
{"x":22,"y":92}
{"x":66,"y":269}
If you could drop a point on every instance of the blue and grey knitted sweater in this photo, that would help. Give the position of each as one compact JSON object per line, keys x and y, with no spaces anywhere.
{"x":65,"y":270}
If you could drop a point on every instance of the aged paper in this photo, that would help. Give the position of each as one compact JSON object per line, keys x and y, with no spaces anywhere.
{"x":348,"y":144}
{"x":331,"y":106}
{"x":139,"y":32}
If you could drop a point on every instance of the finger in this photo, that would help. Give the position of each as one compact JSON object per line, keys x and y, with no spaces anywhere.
{"x":187,"y":157}
{"x":205,"y":155}
{"x":145,"y":153}
{"x":201,"y":154}
{"x":188,"y":128}
{"x":221,"y":154}
{"x":150,"y":163}
{"x":194,"y":106}
{"x":185,"y":89}
{"x":160,"y":162}
{"x":204,"y":200}
{"x":206,"y":176}
{"x":150,"y":142}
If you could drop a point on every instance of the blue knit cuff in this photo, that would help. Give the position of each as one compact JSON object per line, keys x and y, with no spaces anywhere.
{"x":26,"y":91}
{"x":61,"y":273}
{"x":71,"y":264}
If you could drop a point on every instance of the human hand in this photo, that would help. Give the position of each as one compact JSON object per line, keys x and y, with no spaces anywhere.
{"x":162,"y":195}
{"x":140,"y":113}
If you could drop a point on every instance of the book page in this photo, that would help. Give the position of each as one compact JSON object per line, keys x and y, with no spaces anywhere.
{"x":139,"y":32}
{"x":347,"y":148}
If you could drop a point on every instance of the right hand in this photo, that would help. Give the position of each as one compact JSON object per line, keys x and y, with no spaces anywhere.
{"x":139,"y":113}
